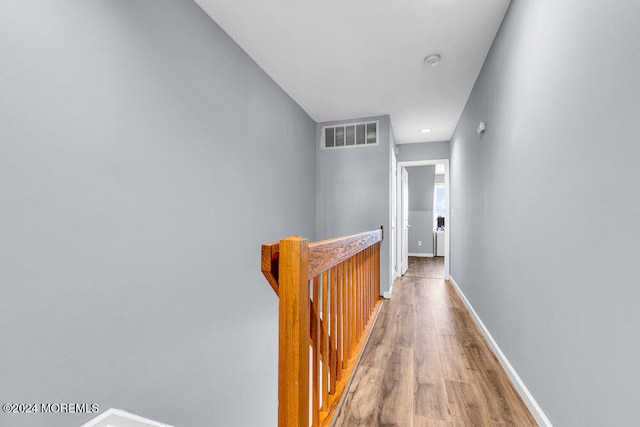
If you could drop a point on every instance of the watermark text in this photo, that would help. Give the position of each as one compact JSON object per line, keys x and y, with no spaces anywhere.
{"x":50,"y":408}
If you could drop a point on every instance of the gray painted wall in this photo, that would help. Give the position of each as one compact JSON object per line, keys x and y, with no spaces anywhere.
{"x":353,"y":190}
{"x":421,"y":182}
{"x":424,"y":151}
{"x":545,"y":249}
{"x":421,"y":230}
{"x":144,"y":157}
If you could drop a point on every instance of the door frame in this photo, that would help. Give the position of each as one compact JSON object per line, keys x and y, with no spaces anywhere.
{"x":404,"y":217}
{"x":447,"y":228}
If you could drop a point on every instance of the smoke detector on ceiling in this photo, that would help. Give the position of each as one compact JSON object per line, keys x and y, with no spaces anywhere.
{"x":432,"y":60}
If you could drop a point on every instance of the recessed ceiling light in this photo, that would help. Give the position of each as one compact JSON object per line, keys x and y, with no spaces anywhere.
{"x":432,"y":60}
{"x":425,"y":130}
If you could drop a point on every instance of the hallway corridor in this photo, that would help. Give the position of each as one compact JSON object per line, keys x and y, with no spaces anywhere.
{"x":427,"y":364}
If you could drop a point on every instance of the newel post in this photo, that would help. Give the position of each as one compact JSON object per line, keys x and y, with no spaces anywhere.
{"x":294,"y":320}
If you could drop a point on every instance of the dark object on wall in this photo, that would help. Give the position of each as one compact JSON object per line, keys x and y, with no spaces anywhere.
{"x":440,"y":222}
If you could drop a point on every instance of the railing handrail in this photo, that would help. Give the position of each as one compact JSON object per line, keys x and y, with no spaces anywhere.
{"x":327,"y":254}
{"x":323,"y":255}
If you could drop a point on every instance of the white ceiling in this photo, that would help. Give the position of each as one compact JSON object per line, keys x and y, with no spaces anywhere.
{"x":343,"y":59}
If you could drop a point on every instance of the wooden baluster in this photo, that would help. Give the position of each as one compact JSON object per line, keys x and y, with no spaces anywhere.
{"x":373,"y":279}
{"x":360,"y":296}
{"x":374,"y":287}
{"x":349,"y":308}
{"x":339,"y":322}
{"x":364,"y":287}
{"x":376,"y":273}
{"x":355,"y":300}
{"x":369,"y":280}
{"x":345,"y":315}
{"x":353,"y":305}
{"x":372,"y":299}
{"x":365,"y":267}
{"x":367,"y":300}
{"x":365,"y":284}
{"x":370,"y":284}
{"x":359,"y":321}
{"x":294,"y":321}
{"x":357,"y":297}
{"x":362,"y":270}
{"x":356,"y":287}
{"x":325,"y":340}
{"x":332,"y":334}
{"x":378,"y":270}
{"x":315,"y":383}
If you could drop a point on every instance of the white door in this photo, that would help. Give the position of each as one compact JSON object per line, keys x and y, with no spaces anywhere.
{"x":404,"y":175}
{"x":394,"y":217}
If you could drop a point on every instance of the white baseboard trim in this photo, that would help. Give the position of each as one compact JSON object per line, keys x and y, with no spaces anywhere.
{"x":423,"y":255}
{"x":522,"y":390}
{"x":387,"y":294}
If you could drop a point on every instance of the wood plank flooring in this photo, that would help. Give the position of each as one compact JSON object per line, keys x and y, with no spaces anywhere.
{"x":427,"y":364}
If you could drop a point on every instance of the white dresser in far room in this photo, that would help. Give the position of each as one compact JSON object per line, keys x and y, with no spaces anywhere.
{"x":438,"y":242}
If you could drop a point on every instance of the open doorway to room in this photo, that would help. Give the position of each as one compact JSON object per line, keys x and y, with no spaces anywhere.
{"x":423,"y":226}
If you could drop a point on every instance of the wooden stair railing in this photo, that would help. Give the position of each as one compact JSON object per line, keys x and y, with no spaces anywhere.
{"x":329,"y":296}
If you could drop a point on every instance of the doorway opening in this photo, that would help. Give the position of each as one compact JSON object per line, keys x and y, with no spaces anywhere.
{"x":430,"y":219}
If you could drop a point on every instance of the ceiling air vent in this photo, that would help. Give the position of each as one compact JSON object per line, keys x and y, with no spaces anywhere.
{"x":350,"y":135}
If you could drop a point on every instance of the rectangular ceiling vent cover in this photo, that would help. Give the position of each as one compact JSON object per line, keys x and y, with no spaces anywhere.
{"x":350,"y":135}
